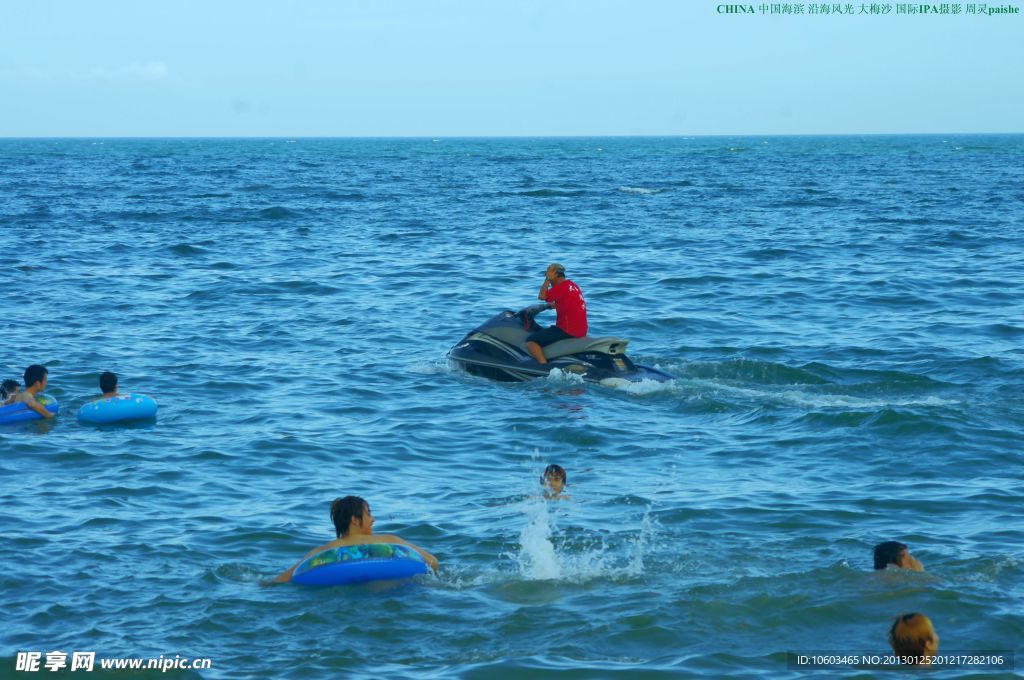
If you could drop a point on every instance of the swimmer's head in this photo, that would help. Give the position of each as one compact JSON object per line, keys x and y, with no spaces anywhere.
{"x":912,"y":635}
{"x":35,"y":374}
{"x":897,"y":554}
{"x":554,"y":478}
{"x":351,"y":512}
{"x":108,"y":382}
{"x":9,"y":387}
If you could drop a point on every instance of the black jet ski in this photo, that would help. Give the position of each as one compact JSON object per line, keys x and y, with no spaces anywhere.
{"x":497,"y":350}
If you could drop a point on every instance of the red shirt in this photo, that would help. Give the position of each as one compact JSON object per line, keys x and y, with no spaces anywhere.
{"x":567,"y":299}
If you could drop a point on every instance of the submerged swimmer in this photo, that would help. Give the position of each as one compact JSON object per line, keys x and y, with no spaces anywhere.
{"x":353,"y":524}
{"x":554,"y":480}
{"x":896,"y":554}
{"x":9,"y":392}
{"x":913,"y":638}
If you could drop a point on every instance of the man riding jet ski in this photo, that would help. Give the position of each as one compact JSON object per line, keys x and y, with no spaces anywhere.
{"x":512,"y":346}
{"x":567,"y":299}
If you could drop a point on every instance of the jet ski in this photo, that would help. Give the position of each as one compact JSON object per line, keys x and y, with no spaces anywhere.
{"x":497,"y":350}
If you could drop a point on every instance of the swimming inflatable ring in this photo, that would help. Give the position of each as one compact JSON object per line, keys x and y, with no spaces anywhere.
{"x":119,"y":408}
{"x":19,"y":413}
{"x":359,"y":564}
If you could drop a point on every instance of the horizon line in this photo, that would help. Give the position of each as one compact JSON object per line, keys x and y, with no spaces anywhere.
{"x":440,"y":137}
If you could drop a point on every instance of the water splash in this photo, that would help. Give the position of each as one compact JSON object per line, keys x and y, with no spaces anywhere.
{"x":560,"y":377}
{"x":537,"y":558}
{"x":541,"y":557}
{"x":642,"y":387}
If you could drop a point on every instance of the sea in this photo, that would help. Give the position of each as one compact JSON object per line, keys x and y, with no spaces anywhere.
{"x":842,"y":318}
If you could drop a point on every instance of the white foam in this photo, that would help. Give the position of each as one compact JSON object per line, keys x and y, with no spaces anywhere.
{"x":537,"y":558}
{"x":843,"y":401}
{"x":645,"y":386}
{"x":540,"y":559}
{"x":430,"y":367}
{"x":794,"y":396}
{"x":558,"y":376}
{"x":639,"y":190}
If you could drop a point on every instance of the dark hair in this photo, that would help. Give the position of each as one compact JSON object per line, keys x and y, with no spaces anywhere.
{"x":556,"y":471}
{"x":343,"y":510}
{"x":108,"y":382}
{"x":34,"y":374}
{"x":888,"y":553}
{"x":8,"y":388}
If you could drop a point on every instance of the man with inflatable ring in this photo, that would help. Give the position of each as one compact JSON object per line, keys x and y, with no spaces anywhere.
{"x":567,"y":299}
{"x":35,"y":382}
{"x":353,"y":523}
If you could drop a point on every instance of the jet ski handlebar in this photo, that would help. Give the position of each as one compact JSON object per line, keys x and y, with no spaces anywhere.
{"x":526,"y":314}
{"x":533,"y":310}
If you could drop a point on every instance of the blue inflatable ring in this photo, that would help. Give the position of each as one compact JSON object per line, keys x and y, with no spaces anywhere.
{"x":19,"y":413}
{"x":359,"y":564}
{"x":117,"y":409}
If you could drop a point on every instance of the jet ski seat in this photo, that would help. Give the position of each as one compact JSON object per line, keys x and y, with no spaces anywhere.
{"x":587,"y":343}
{"x":516,"y":335}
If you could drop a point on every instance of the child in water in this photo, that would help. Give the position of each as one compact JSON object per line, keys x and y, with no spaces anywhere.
{"x":913,"y":638}
{"x":554,"y":480}
{"x":108,"y":385}
{"x":9,"y":392}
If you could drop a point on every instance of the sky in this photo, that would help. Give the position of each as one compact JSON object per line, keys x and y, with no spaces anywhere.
{"x":352,"y":68}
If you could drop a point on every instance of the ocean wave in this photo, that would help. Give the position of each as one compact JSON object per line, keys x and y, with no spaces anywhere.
{"x":344,"y":196}
{"x":552,"y":193}
{"x":907,"y":221}
{"x":770,"y":253}
{"x":748,"y":371}
{"x":303,"y":359}
{"x":824,"y":202}
{"x":640,"y":190}
{"x":696,"y":280}
{"x":278,"y":212}
{"x":186,"y":250}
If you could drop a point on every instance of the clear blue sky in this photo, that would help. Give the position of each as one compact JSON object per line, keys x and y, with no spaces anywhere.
{"x":496,"y":67}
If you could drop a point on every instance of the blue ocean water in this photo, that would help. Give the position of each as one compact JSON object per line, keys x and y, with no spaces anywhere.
{"x":842,"y":316}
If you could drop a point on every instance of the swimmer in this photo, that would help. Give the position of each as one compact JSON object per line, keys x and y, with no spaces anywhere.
{"x":35,"y":382}
{"x":913,"y":638}
{"x":554,"y":480}
{"x":9,"y":392}
{"x":353,"y":524}
{"x":108,"y":385}
{"x":896,"y":554}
